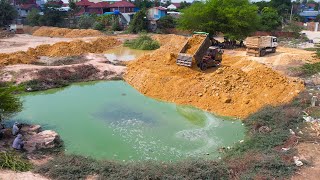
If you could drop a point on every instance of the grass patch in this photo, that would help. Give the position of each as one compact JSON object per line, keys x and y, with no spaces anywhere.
{"x":143,"y":42}
{"x":310,"y":69}
{"x":13,"y":161}
{"x":311,"y":49}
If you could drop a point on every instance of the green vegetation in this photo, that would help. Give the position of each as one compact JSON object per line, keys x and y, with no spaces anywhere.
{"x":235,"y":18}
{"x":165,"y":23}
{"x":310,"y":69}
{"x":139,"y":22}
{"x":56,"y":78}
{"x":143,"y":42}
{"x":258,"y":157}
{"x":270,"y":19}
{"x":9,"y":103}
{"x":292,"y":27}
{"x":7,"y":13}
{"x":13,"y":161}
{"x":33,"y":17}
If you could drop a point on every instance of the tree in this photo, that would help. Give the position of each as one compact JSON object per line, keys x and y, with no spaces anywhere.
{"x":7,"y":13}
{"x":262,"y":4}
{"x":235,"y":18}
{"x":9,"y":103}
{"x":270,"y":20}
{"x":52,"y":16}
{"x":184,"y":4}
{"x":292,"y":27}
{"x":166,"y":23}
{"x":283,"y":6}
{"x":33,"y":17}
{"x":139,"y":22}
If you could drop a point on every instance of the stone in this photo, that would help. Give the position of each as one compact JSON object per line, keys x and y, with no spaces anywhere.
{"x":227,"y":100}
{"x":47,"y":139}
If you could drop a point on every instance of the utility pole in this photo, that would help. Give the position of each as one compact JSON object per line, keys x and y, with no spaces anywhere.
{"x":291,"y":13}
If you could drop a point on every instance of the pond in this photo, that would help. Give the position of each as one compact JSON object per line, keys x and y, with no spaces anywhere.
{"x":124,"y":54}
{"x":112,"y":120}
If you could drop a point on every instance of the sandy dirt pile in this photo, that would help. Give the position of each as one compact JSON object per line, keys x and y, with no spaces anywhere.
{"x":194,"y":43}
{"x":65,"y":32}
{"x":59,"y":49}
{"x":238,"y":88}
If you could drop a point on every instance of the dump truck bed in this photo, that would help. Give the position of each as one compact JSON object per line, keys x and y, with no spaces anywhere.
{"x":258,"y":41}
{"x":193,"y":50}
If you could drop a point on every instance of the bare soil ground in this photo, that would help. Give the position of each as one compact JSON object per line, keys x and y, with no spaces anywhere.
{"x":281,"y":61}
{"x":22,"y":42}
{"x":25,"y":72}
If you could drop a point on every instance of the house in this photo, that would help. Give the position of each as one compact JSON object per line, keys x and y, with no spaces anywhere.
{"x":309,"y":15}
{"x":156,"y":13}
{"x":105,"y":7}
{"x":174,"y":6}
{"x":122,"y":6}
{"x":24,"y":7}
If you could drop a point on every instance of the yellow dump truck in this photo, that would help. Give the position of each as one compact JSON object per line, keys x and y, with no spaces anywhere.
{"x":261,"y":45}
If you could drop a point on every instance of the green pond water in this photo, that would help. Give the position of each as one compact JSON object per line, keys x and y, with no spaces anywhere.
{"x":124,"y":54}
{"x":111,"y":120}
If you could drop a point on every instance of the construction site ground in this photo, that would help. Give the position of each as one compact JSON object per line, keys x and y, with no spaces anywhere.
{"x":240,"y":86}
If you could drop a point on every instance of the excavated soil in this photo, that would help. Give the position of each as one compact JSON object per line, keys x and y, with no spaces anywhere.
{"x":65,"y":32}
{"x":194,"y":44}
{"x":238,"y":88}
{"x":59,"y":49}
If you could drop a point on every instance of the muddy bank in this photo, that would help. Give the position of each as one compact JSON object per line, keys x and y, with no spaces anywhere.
{"x":238,"y":88}
{"x":41,"y":77}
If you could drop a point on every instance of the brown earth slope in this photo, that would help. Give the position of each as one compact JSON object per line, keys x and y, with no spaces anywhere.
{"x":238,"y":88}
{"x":65,"y":32}
{"x":59,"y":49}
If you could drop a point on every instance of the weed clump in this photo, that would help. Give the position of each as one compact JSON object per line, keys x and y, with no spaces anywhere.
{"x":56,"y":78}
{"x":13,"y":161}
{"x":143,"y":42}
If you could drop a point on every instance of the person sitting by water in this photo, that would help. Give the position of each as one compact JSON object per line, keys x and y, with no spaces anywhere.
{"x":18,"y":143}
{"x":15,"y":128}
{"x":2,"y":129}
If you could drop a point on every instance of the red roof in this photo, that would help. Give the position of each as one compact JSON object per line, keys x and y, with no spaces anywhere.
{"x":161,"y":8}
{"x":122,"y":4}
{"x":176,"y":4}
{"x":100,"y":5}
{"x":28,"y":6}
{"x":84,"y":3}
{"x":55,"y":2}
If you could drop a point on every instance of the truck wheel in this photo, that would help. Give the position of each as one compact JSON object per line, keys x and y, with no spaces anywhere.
{"x":274,"y":50}
{"x":203,"y":67}
{"x":262,"y":53}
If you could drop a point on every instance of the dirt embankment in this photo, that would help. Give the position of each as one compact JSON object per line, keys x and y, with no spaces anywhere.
{"x":59,"y":49}
{"x":65,"y":32}
{"x":238,"y":88}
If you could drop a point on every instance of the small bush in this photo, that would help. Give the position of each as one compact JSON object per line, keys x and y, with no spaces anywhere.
{"x":98,"y":26}
{"x":310,"y":69}
{"x":143,"y":42}
{"x":85,"y":22}
{"x":13,"y":161}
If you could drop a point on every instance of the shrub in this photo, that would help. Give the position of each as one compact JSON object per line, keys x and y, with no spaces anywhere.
{"x":85,"y":22}
{"x":13,"y":161}
{"x":166,"y":23}
{"x":139,"y":22}
{"x":143,"y":42}
{"x":309,"y":69}
{"x":98,"y":26}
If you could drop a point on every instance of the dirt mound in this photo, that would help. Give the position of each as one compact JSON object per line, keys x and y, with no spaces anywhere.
{"x":65,"y":32}
{"x":59,"y":49}
{"x":237,"y":88}
{"x":194,"y":44}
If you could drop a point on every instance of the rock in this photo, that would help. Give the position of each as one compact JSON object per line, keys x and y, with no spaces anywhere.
{"x":227,"y":100}
{"x":44,"y":140}
{"x":200,"y":94}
